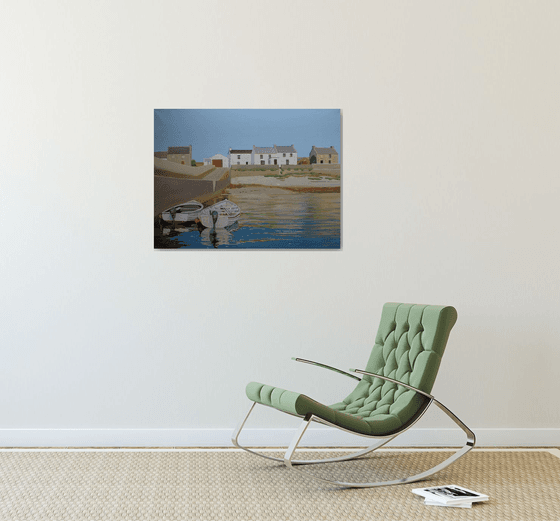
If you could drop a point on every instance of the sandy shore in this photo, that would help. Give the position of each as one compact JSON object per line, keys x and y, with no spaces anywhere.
{"x":287,"y":182}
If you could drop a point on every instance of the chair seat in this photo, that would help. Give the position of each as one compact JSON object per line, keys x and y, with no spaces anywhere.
{"x":379,"y":419}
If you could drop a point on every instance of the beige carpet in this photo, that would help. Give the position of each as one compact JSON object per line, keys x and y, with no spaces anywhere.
{"x":135,"y":486}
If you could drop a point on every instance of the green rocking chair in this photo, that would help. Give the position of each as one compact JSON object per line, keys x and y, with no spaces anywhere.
{"x":391,"y":396}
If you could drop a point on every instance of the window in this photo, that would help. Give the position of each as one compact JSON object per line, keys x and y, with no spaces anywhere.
{"x":284,"y":155}
{"x":261,"y":158}
{"x":330,"y":155}
{"x":246,"y":162}
{"x":291,"y":155}
{"x":287,"y":161}
{"x":262,"y":162}
{"x":329,"y":160}
{"x":238,"y":163}
{"x":321,"y":160}
{"x":238,"y":157}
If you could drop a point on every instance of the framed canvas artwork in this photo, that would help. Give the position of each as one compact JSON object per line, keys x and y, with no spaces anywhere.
{"x":247,"y":178}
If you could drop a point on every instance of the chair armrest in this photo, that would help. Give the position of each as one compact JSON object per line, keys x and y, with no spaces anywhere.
{"x":393,"y":381}
{"x":330,"y":368}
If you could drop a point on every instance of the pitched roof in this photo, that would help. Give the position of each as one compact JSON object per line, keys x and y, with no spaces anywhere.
{"x":240,"y":151}
{"x":264,"y":150}
{"x":330,"y":150}
{"x":290,"y":149}
{"x":179,"y":150}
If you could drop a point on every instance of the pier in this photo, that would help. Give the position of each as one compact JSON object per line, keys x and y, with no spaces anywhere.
{"x":171,"y":188}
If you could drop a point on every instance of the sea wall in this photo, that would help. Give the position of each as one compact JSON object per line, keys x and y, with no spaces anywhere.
{"x":169,"y":191}
{"x":259,"y":170}
{"x":176,"y":168}
{"x":254,"y":167}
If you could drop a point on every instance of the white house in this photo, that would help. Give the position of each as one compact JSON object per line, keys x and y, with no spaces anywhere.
{"x":275,"y":155}
{"x":218,"y":160}
{"x":286,"y":155}
{"x":240,"y":157}
{"x":263,"y":156}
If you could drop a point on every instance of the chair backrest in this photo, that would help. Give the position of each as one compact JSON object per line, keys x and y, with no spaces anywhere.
{"x":408,"y":347}
{"x":410,"y":342}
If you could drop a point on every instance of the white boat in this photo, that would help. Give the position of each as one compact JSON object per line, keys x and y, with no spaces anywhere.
{"x":219,"y":215}
{"x":230,"y":209}
{"x":183,"y":212}
{"x":212,"y":217}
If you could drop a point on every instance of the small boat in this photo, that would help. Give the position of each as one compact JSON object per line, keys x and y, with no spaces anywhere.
{"x":212,"y":217}
{"x":220,"y":215}
{"x":183,"y":212}
{"x":230,"y":209}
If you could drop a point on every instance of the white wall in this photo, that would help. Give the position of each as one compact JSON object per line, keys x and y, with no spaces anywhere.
{"x":457,"y":104}
{"x":282,"y":160}
{"x":225,"y":159}
{"x":244,"y":159}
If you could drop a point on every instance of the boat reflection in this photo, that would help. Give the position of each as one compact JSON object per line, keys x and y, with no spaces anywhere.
{"x":208,"y":236}
{"x":172,"y":232}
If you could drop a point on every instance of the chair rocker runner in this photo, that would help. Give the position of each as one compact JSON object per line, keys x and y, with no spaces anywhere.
{"x":392,"y":394}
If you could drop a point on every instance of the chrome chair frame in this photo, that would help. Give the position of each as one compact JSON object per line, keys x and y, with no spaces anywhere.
{"x":289,"y":462}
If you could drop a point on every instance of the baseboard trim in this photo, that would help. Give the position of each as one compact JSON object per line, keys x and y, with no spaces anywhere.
{"x":314,"y":437}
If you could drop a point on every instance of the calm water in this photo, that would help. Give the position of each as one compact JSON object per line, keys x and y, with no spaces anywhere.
{"x":270,"y":218}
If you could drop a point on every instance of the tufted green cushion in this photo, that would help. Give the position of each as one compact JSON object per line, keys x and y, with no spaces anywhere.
{"x":408,"y":347}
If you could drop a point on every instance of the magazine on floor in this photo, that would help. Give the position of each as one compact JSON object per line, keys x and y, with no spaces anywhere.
{"x":466,"y":504}
{"x":450,"y":495}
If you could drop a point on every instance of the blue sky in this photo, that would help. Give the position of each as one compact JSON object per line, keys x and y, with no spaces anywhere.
{"x":215,"y":131}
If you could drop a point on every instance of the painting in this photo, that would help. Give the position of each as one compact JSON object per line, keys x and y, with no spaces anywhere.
{"x":247,"y":179}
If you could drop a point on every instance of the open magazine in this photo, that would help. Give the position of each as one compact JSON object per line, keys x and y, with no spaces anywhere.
{"x":450,"y":495}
